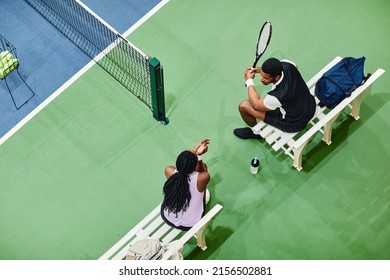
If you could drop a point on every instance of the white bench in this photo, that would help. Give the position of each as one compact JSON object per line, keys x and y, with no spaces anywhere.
{"x":153,"y":226}
{"x":293,"y":144}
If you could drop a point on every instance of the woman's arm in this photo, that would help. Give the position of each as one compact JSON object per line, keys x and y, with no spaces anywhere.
{"x":169,"y":170}
{"x":204,"y":177}
{"x":200,"y":149}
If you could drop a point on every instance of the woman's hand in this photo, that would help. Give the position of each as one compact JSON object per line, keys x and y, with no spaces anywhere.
{"x":201,"y":147}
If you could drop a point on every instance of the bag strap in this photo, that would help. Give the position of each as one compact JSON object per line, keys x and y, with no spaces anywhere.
{"x":349,"y":72}
{"x":366,"y":78}
{"x":348,"y":93}
{"x":337,"y":85}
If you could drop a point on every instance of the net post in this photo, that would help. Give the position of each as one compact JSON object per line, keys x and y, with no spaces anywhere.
{"x":157,"y":86}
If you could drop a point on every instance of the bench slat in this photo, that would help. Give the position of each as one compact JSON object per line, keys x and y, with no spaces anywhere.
{"x":284,"y":139}
{"x":171,"y":236}
{"x":160,"y":233}
{"x":315,"y":78}
{"x":274,"y":136}
{"x":266,"y":131}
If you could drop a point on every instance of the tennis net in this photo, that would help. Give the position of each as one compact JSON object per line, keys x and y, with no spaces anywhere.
{"x":139,"y":73}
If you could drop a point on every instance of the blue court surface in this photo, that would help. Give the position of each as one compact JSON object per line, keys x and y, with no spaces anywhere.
{"x":48,"y":59}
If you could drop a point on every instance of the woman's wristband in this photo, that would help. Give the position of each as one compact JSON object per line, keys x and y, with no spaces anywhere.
{"x":199,"y":157}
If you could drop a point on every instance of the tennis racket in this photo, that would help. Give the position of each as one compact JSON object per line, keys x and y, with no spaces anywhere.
{"x":262,"y":41}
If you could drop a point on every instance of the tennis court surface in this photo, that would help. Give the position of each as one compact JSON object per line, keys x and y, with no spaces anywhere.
{"x":90,"y":165}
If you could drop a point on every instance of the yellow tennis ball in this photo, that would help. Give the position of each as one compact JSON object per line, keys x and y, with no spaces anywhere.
{"x":1,"y":64}
{"x":6,"y":56}
{"x":5,"y":65}
{"x":14,"y":63}
{"x":3,"y":55}
{"x":7,"y":71}
{"x":9,"y":56}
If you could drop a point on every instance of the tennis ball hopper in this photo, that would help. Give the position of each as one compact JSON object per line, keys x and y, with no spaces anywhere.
{"x":9,"y":62}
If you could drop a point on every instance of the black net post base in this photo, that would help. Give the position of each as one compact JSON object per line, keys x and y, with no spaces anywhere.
{"x":9,"y":62}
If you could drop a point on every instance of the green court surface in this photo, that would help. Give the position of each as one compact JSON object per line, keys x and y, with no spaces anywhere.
{"x":90,"y":165}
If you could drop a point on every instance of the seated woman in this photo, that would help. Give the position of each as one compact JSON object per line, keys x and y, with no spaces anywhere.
{"x":185,"y":189}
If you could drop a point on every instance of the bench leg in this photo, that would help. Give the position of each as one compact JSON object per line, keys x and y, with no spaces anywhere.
{"x":356,"y":105}
{"x":201,"y":240}
{"x":328,"y":130}
{"x":298,"y":155}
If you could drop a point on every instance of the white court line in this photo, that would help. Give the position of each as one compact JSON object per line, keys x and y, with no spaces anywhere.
{"x":61,"y":89}
{"x":145,"y":18}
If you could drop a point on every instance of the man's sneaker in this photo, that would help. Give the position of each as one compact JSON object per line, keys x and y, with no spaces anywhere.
{"x":246,"y":133}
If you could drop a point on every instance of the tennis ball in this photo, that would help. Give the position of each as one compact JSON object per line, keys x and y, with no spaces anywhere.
{"x":1,"y":64}
{"x":13,"y":64}
{"x":7,"y":71}
{"x":5,"y":65}
{"x":11,"y":67}
{"x":3,"y":56}
{"x":6,"y":56}
{"x":9,"y":56}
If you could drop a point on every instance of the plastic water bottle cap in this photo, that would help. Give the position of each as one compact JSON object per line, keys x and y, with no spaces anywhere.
{"x":255,"y":162}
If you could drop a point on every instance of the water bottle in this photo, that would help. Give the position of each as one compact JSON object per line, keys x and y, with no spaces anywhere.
{"x":255,"y":163}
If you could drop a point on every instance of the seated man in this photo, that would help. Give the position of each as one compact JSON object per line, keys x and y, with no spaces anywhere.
{"x":289,"y":106}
